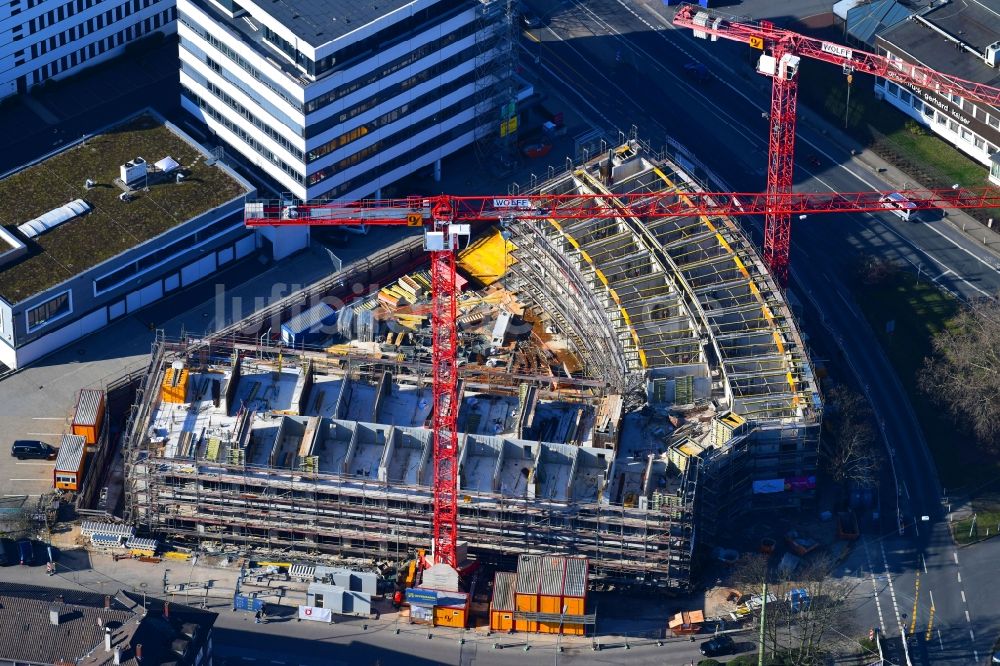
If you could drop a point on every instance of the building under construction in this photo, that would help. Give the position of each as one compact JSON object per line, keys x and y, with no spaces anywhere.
{"x":627,"y":385}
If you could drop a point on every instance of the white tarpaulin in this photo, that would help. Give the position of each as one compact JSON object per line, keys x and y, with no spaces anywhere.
{"x":314,"y":613}
{"x":769,"y":486}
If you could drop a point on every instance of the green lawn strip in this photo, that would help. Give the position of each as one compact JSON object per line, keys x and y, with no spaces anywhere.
{"x":987,"y":522}
{"x":918,"y":310}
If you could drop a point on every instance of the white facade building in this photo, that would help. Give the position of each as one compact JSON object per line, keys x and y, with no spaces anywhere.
{"x":965,"y":44}
{"x":338,"y":98}
{"x":48,"y":39}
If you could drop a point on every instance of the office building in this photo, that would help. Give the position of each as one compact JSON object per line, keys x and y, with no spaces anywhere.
{"x":48,"y":39}
{"x":107,"y":226}
{"x":338,"y":99}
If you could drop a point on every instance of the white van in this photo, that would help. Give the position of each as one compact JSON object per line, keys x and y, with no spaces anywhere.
{"x":901,"y":207}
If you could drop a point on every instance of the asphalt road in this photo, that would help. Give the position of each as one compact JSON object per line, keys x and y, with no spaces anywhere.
{"x":623,"y":65}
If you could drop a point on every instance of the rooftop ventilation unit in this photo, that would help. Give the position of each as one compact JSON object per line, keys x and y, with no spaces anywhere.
{"x":992,"y":54}
{"x":54,"y":218}
{"x":133,"y":171}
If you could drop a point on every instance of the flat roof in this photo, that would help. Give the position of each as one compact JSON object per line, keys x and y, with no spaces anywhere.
{"x":112,"y":227}
{"x":973,"y":22}
{"x":320,"y":21}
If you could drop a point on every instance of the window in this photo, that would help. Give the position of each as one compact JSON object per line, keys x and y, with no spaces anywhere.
{"x":966,"y":135}
{"x":941,"y":119}
{"x":50,"y":310}
{"x":953,"y":126}
{"x":993,"y":120}
{"x":978,"y":142}
{"x":906,"y":96}
{"x":956,"y":100}
{"x":892,"y":88}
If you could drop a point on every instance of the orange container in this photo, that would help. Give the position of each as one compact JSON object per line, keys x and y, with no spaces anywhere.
{"x":89,"y":415}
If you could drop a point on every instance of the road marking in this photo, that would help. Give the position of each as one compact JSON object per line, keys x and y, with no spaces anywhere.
{"x":955,"y":555}
{"x":941,"y":642}
{"x":963,"y":597}
{"x":976,"y":654}
{"x":892,"y":590}
{"x":906,"y":489}
{"x":967,"y":618}
{"x":931,"y":593}
{"x":35,"y":479}
{"x":45,"y":434}
{"x":878,"y":603}
{"x":923,"y":561}
{"x":942,"y":275}
{"x":48,"y":418}
{"x":578,"y":94}
{"x":972,"y":635}
{"x":705,"y":53}
{"x":959,"y":576}
{"x":34,"y":463}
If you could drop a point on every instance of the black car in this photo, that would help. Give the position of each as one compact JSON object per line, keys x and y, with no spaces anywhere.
{"x":27,"y":448}
{"x":717,"y":646}
{"x":8,"y":553}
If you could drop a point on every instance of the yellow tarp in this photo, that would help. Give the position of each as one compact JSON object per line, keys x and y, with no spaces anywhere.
{"x":487,"y":259}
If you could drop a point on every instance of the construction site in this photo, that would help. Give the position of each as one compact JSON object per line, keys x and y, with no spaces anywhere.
{"x":627,"y":388}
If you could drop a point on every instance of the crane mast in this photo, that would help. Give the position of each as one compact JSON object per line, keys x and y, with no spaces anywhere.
{"x":780,"y":58}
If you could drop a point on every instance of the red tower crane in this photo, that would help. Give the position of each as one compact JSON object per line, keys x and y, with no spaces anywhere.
{"x":446,"y":219}
{"x":782,"y":50}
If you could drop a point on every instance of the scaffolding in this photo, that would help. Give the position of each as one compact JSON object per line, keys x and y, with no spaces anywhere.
{"x":321,"y":505}
{"x":309,"y":453}
{"x":496,"y":85}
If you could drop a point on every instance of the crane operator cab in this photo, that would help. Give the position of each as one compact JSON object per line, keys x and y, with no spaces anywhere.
{"x":901,"y":207}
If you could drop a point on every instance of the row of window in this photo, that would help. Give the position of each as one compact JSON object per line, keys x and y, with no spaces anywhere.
{"x":54,"y":16}
{"x":433,"y":46}
{"x":240,"y":61}
{"x":244,"y":136}
{"x":943,"y":119}
{"x":383,"y":39}
{"x":94,"y":49}
{"x":52,"y":309}
{"x":391,"y":140}
{"x":384,"y":167}
{"x":97,"y":23}
{"x":229,"y":101}
{"x":389,"y":92}
{"x":982,"y":115}
{"x":391,"y":116}
{"x":164,"y":254}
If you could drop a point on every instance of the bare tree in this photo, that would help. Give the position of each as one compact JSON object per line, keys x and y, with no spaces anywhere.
{"x":850,"y":447}
{"x":807,"y":633}
{"x":873,"y":269}
{"x":963,"y":375}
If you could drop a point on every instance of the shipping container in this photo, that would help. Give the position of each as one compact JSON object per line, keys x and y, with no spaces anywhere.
{"x":89,"y":415}
{"x":502,"y":606}
{"x":68,"y":472}
{"x":525,"y":603}
{"x":447,"y":616}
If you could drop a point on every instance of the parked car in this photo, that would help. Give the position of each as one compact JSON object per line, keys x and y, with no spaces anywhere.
{"x":27,"y":448}
{"x":718,"y":645}
{"x":8,"y":552}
